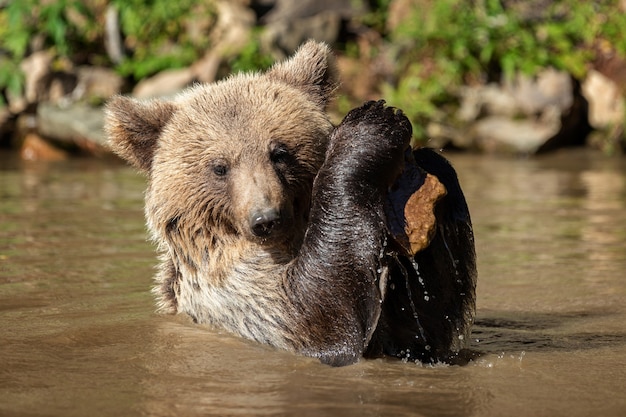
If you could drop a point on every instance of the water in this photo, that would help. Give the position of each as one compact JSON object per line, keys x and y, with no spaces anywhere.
{"x":78,"y":335}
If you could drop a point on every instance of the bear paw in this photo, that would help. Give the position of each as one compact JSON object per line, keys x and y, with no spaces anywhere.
{"x":374,"y":119}
{"x":372,"y":138}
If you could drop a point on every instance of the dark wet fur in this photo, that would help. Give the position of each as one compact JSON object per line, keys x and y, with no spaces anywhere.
{"x":430,"y":320}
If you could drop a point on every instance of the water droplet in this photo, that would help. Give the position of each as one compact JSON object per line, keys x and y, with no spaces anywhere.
{"x":454,"y":261}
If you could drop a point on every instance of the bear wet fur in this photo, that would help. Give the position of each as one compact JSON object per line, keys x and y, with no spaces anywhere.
{"x":270,"y":222}
{"x":430,"y":301}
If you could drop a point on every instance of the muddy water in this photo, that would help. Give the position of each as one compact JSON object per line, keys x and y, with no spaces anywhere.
{"x":78,"y":335}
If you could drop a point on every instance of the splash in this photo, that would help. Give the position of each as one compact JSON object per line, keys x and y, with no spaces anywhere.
{"x":410,"y":295}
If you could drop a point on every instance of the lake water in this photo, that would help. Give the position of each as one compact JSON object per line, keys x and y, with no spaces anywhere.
{"x":78,"y":336}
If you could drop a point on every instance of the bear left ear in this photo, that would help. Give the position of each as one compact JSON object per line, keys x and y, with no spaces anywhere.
{"x":134,"y":127}
{"x":311,"y":69}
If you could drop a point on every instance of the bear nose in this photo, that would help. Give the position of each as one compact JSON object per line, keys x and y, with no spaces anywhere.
{"x":263,"y":222}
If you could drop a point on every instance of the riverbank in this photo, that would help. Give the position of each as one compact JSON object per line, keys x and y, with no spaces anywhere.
{"x":481,"y":78}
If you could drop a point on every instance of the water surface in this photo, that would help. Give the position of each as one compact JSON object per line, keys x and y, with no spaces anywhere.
{"x":78,"y":335}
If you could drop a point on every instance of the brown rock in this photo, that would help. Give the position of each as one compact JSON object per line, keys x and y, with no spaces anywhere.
{"x":36,"y":68}
{"x":34,"y":148}
{"x":76,"y":125}
{"x":97,"y":83}
{"x":606,"y":102}
{"x":165,"y":83}
{"x":524,"y":115}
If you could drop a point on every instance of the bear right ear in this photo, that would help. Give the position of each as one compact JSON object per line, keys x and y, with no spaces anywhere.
{"x":311,"y":69}
{"x":133,"y":128}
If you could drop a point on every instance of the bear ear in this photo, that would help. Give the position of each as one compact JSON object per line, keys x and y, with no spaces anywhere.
{"x":311,"y":69}
{"x":133,"y":128}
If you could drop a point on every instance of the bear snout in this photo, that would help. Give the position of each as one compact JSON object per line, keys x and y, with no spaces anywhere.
{"x":264,"y":222}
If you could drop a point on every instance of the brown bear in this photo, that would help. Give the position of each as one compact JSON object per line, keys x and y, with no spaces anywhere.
{"x":272,"y":224}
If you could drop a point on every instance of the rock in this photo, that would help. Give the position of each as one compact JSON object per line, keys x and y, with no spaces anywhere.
{"x":548,"y":90}
{"x":43,"y":84}
{"x":301,"y":9}
{"x":232,"y":29}
{"x":34,"y":148}
{"x":79,"y":125}
{"x":228,"y":38}
{"x":524,"y":96}
{"x":606,"y":103}
{"x":36,"y":68}
{"x":525,"y":115}
{"x":282,"y":38}
{"x":605,"y":89}
{"x":57,"y":87}
{"x":97,"y":83}
{"x":441,"y":135}
{"x":163,"y":84}
{"x":498,"y":134}
{"x":291,"y":22}
{"x":490,"y":99}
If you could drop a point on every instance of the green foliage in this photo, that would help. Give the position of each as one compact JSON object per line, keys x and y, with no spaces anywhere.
{"x":49,"y":23}
{"x":251,"y":58}
{"x":440,"y":46}
{"x":11,"y":77}
{"x":421,"y":95}
{"x":447,"y":43}
{"x":158,"y":36}
{"x":377,"y":17}
{"x":23,"y":20}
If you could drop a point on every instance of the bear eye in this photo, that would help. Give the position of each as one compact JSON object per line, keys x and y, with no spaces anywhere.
{"x":279,"y":154}
{"x":220,"y":169}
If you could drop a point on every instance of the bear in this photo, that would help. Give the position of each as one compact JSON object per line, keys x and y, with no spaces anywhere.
{"x":273,"y":224}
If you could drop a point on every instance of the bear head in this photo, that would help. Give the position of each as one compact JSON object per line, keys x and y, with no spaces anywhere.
{"x":232,"y":158}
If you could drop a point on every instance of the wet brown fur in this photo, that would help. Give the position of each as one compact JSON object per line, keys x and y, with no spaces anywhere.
{"x":212,"y":268}
{"x":221,"y":152}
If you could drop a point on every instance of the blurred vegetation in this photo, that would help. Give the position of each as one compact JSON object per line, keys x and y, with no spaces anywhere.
{"x":451,"y":43}
{"x":437,"y":46}
{"x":24,"y":23}
{"x":158,"y":34}
{"x":252,"y":57}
